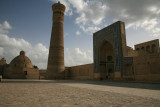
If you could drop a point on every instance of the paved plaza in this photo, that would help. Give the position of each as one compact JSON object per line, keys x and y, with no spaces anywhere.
{"x":72,"y":93}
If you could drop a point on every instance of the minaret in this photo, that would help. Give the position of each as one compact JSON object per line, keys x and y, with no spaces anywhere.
{"x":55,"y":68}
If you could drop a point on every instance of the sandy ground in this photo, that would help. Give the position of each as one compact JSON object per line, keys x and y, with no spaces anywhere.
{"x":69,"y":93}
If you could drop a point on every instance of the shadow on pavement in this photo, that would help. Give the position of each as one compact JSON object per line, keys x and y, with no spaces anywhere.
{"x":152,"y":86}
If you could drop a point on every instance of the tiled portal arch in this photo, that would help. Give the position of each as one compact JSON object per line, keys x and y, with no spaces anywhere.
{"x":115,"y":35}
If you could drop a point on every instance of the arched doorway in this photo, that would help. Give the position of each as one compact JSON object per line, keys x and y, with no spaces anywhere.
{"x":153,"y":48}
{"x":106,"y":60}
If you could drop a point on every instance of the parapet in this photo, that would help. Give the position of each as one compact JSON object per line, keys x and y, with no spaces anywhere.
{"x":58,"y":7}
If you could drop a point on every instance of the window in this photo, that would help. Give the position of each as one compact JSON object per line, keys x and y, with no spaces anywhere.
{"x":137,"y":49}
{"x":15,"y":65}
{"x":109,"y":58}
{"x":110,"y":71}
{"x":25,"y":72}
{"x":142,"y":48}
{"x":153,"y":48}
{"x":148,"y":48}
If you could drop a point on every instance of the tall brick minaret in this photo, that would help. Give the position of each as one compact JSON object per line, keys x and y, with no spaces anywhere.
{"x":55,"y":68}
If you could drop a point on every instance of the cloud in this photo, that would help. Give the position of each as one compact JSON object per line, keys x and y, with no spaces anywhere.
{"x":90,"y":12}
{"x":10,"y":48}
{"x":91,"y":15}
{"x":78,"y":33}
{"x":156,"y":32}
{"x":143,"y":14}
{"x":77,"y":57}
{"x":86,"y":13}
{"x":4,"y":27}
{"x":89,"y":29}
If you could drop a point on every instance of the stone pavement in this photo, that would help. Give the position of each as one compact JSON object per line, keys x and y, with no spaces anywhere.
{"x":71,"y":93}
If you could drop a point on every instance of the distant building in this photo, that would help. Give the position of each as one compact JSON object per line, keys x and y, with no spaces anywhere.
{"x":20,"y":67}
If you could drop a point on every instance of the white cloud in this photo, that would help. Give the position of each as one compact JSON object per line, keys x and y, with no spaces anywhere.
{"x":78,"y":4}
{"x":136,"y":14}
{"x":4,"y":27}
{"x":142,"y":14}
{"x":89,"y":29}
{"x":10,"y":48}
{"x":90,"y":13}
{"x":156,"y":32}
{"x":77,"y":57}
{"x":78,"y":33}
{"x":154,"y":9}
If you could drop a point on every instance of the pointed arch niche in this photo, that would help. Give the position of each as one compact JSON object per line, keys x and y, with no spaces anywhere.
{"x":106,"y":59}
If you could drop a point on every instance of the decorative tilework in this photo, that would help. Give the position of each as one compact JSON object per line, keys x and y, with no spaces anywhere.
{"x":111,"y":34}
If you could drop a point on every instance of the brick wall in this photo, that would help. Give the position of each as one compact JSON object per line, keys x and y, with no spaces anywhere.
{"x":19,"y":73}
{"x":147,"y":67}
{"x":2,"y":61}
{"x":79,"y":72}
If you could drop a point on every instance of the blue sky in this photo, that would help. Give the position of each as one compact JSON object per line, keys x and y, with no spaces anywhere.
{"x":26,"y":25}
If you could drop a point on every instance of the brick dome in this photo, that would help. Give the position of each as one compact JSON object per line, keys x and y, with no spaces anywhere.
{"x":21,"y":61}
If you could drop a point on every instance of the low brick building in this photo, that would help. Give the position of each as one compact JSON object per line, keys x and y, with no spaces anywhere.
{"x":20,"y":67}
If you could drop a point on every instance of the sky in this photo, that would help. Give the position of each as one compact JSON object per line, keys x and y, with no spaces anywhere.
{"x":26,"y":25}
